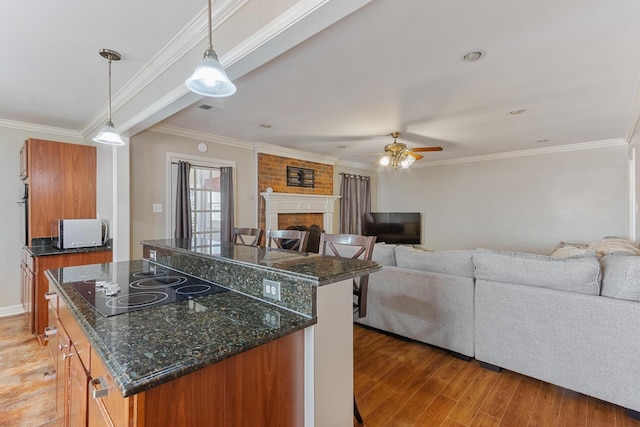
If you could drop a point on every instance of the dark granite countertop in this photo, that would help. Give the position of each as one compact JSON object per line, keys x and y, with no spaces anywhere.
{"x":44,"y":247}
{"x":148,"y":347}
{"x":321,"y":269}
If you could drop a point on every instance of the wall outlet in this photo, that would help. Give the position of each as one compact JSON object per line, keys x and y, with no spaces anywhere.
{"x":271,"y":319}
{"x":157,"y":208}
{"x":152,"y":254}
{"x":271,"y":289}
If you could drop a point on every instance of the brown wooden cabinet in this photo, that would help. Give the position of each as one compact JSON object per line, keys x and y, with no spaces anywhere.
{"x":62,"y":183}
{"x":263,"y":386}
{"x":41,"y":285}
{"x":27,"y":288}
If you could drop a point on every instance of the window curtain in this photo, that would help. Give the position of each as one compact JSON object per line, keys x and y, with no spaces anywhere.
{"x":226,"y":202}
{"x":183,"y":202}
{"x":355,"y":201}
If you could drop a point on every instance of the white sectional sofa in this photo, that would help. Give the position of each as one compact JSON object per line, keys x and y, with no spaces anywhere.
{"x":573,"y":322}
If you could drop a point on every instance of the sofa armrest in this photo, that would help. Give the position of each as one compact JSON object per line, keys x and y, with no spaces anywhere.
{"x":586,"y":343}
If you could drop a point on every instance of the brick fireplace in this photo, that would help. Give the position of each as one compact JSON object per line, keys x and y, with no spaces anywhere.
{"x":315,"y":207}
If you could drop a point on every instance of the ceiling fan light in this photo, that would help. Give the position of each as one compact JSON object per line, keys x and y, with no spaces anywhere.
{"x":108,"y":135}
{"x":407,"y":161}
{"x":385,"y":160}
{"x":209,"y":78}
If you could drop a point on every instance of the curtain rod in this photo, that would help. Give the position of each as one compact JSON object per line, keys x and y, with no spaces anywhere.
{"x":354,"y":175}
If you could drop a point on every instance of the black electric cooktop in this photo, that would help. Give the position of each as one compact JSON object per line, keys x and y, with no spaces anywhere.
{"x":122,"y":290}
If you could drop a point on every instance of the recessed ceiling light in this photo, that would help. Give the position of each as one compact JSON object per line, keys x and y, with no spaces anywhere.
{"x":473,"y":56}
{"x":517,"y":111}
{"x":265,"y":125}
{"x":342,"y":146}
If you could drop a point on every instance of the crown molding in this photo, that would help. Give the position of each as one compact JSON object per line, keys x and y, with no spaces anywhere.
{"x":188,"y":38}
{"x":524,"y":153}
{"x":30,"y":127}
{"x":201,"y":136}
{"x":261,"y":147}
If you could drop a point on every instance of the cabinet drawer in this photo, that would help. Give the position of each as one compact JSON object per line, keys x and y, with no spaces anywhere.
{"x":115,"y":408}
{"x":79,"y":340}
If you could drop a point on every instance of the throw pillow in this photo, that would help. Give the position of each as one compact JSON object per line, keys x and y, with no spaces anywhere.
{"x":611,"y":245}
{"x":568,"y":250}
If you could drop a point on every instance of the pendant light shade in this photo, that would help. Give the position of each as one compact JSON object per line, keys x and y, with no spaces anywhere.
{"x":209,"y":78}
{"x":108,"y":134}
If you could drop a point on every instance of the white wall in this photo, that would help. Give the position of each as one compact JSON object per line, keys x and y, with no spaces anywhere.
{"x":11,"y":140}
{"x":523,"y":203}
{"x":148,"y":182}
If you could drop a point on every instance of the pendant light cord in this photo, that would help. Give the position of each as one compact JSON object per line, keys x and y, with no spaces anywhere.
{"x":109,"y":103}
{"x":210,"y":27}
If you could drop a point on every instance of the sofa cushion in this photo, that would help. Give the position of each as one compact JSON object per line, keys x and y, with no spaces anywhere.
{"x":384,"y":254}
{"x":456,"y":262}
{"x":581,"y":274}
{"x":621,"y":277}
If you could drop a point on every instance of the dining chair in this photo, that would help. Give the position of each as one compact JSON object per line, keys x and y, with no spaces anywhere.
{"x":288,"y":239}
{"x":357,"y":247}
{"x":239,"y":235}
{"x":351,"y":246}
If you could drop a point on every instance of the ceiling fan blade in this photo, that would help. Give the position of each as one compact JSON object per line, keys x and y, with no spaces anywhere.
{"x":427,"y":149}
{"x":416,"y":155}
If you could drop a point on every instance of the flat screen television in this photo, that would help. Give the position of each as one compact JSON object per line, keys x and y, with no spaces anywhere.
{"x":393,"y":227}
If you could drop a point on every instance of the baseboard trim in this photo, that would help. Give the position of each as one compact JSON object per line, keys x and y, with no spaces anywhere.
{"x":11,"y":310}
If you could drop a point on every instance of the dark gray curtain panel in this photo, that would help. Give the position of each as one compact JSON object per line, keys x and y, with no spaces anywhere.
{"x":355,"y":201}
{"x":183,"y":202}
{"x":226,"y":199}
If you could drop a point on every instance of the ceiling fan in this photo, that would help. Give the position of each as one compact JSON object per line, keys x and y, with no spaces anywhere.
{"x":397,"y":154}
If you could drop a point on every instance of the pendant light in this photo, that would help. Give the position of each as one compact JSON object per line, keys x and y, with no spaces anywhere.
{"x":209,"y":78}
{"x":108,"y":134}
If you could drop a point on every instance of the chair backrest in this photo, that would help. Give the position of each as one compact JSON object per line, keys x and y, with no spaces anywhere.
{"x":288,"y":239}
{"x":349,"y":245}
{"x":240,"y":233}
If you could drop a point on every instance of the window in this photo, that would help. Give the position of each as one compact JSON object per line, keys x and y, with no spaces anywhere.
{"x":205,"y":196}
{"x":204,"y":185}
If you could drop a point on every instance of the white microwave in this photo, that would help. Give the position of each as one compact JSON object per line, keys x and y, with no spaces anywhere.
{"x":77,"y":233}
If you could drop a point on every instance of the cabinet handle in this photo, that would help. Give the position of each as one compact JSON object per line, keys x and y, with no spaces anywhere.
{"x":65,"y":356}
{"x":62,"y":346}
{"x":49,"y":331}
{"x":50,"y":295}
{"x":48,"y":376}
{"x":104,"y":387}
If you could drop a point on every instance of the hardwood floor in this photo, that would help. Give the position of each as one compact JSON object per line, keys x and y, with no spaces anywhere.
{"x":404,"y":383}
{"x":397,"y":383}
{"x":26,"y":399}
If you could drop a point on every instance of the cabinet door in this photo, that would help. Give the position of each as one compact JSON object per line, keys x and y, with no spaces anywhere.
{"x":77,"y":391}
{"x":109,"y":407}
{"x":62,"y":375}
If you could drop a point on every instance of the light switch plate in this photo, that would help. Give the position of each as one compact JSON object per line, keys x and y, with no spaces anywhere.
{"x":157,"y":208}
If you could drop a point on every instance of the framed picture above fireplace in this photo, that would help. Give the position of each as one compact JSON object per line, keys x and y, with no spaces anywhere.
{"x":299,"y":177}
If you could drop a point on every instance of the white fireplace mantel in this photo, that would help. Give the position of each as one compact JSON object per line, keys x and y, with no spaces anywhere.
{"x":291,"y":203}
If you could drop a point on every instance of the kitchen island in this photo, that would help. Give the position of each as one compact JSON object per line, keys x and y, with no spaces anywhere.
{"x":293,"y":356}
